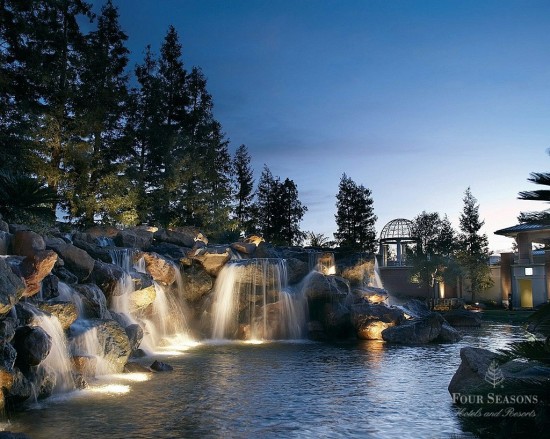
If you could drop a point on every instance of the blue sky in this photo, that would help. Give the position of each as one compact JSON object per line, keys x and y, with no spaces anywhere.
{"x":416,"y":100}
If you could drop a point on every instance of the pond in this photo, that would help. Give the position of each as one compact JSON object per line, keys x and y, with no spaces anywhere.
{"x":359,"y":389}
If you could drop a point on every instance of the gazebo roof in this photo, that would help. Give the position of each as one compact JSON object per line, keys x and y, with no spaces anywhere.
{"x":399,"y":229}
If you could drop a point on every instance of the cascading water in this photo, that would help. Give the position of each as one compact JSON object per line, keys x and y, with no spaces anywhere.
{"x":164,"y":323}
{"x":377,"y":283}
{"x":253,"y":301}
{"x":323,"y":262}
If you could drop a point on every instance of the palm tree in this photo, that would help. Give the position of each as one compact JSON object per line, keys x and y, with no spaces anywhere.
{"x":542,"y":178}
{"x":25,"y":199}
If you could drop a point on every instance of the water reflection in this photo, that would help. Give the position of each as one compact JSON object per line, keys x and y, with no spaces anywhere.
{"x":306,"y":389}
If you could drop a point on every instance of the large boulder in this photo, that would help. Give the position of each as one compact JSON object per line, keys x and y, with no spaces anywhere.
{"x":93,"y":249}
{"x":318,"y":286}
{"x":5,"y":243}
{"x":182,"y":236}
{"x":171,"y":251}
{"x":76,"y":260}
{"x":196,"y":284}
{"x":161,"y":269}
{"x":244,"y":248}
{"x":211,"y":259}
{"x":34,"y":268}
{"x":94,"y":302}
{"x":111,"y":343}
{"x":296,"y":270}
{"x":66,"y":312}
{"x":27,"y":243}
{"x":141,"y":299}
{"x":134,"y":237}
{"x":109,"y":278}
{"x":481,"y":373}
{"x":135,"y":335}
{"x":11,"y":287}
{"x":415,"y":331}
{"x":370,"y":320}
{"x":32,"y":344}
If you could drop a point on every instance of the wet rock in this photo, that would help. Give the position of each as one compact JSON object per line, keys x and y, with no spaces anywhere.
{"x":50,"y":287}
{"x":32,"y":344}
{"x":370,"y":320}
{"x":159,"y":366}
{"x":108,"y":277}
{"x":135,"y":335}
{"x":319,"y":286}
{"x":20,"y":388}
{"x":7,"y":329}
{"x":112,"y":342}
{"x":85,"y":365}
{"x":100,"y":232}
{"x":415,"y":308}
{"x":336,"y":320}
{"x":161,"y":269}
{"x":448,"y":334}
{"x":4,"y":226}
{"x":133,"y":367}
{"x":8,"y":354}
{"x":76,"y":260}
{"x":64,"y":275}
{"x":94,"y":302}
{"x":36,"y":267}
{"x":44,"y":380}
{"x":357,"y":273}
{"x":94,"y":250}
{"x":244,"y":248}
{"x":11,"y":435}
{"x":27,"y":243}
{"x":171,"y":251}
{"x":11,"y":287}
{"x":197,"y":283}
{"x":415,"y":331}
{"x":141,"y":299}
{"x":296,"y":270}
{"x":66,"y":312}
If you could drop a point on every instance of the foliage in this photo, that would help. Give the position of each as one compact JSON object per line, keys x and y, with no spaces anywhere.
{"x":317,"y":239}
{"x":543,"y":179}
{"x":278,"y":210}
{"x":473,"y":251}
{"x":244,"y":188}
{"x":25,"y":199}
{"x":355,"y":216}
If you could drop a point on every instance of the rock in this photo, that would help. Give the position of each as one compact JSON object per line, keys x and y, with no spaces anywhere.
{"x":32,"y":344}
{"x":36,"y":267}
{"x":211,"y":260}
{"x":94,"y":303}
{"x":197,"y":283}
{"x":171,"y":251}
{"x":44,"y":380}
{"x":134,"y":238}
{"x":182,"y":236}
{"x":159,"y":366}
{"x":10,"y":435}
{"x":336,"y":320}
{"x":100,"y":232}
{"x":20,"y":389}
{"x":64,"y":275}
{"x":7,"y":330}
{"x":4,"y":227}
{"x":448,"y":334}
{"x":65,"y":312}
{"x":141,"y":299}
{"x":8,"y":355}
{"x":415,"y":331}
{"x":518,"y":377}
{"x":133,"y":367}
{"x":372,"y":295}
{"x":112,"y":342}
{"x":319,"y":286}
{"x":370,"y":320}
{"x":76,"y":260}
{"x":161,"y":269}
{"x":415,"y":308}
{"x":135,"y":335}
{"x":357,"y":274}
{"x":27,"y":243}
{"x":11,"y":287}
{"x":50,"y":287}
{"x":108,"y":277}
{"x":94,"y":250}
{"x":254,"y":239}
{"x":5,"y":243}
{"x":462,"y":318}
{"x":244,"y":248}
{"x":297,"y":270}
{"x":85,"y":365}
{"x":316,"y":331}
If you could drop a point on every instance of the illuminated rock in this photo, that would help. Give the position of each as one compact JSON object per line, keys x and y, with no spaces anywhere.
{"x":65,"y":312}
{"x":415,"y":331}
{"x":370,"y":320}
{"x":35,"y":268}
{"x":160,"y":269}
{"x":211,"y":259}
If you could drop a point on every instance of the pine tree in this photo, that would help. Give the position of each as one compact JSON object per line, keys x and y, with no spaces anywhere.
{"x":244,"y":187}
{"x":264,"y":207}
{"x":100,"y":189}
{"x":355,"y":217}
{"x":289,"y":214}
{"x":473,"y":254}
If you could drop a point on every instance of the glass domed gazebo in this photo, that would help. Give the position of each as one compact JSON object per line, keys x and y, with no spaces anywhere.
{"x":398,"y":232}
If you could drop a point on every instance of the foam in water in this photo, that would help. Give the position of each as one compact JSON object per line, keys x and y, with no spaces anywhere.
{"x":252,"y":301}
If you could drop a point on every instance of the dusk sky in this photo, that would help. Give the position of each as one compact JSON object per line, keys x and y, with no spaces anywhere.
{"x":416,"y":100}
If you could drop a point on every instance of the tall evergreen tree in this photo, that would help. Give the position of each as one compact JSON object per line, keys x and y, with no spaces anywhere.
{"x":45,"y":47}
{"x":473,"y":253}
{"x":100,"y":189}
{"x":355,"y":216}
{"x":244,"y":187}
{"x":264,"y":207}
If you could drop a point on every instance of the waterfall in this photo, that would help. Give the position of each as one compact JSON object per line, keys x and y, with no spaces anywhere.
{"x":252,"y":301}
{"x":377,"y":279}
{"x":323,"y":262}
{"x":163,"y":322}
{"x":58,"y":360}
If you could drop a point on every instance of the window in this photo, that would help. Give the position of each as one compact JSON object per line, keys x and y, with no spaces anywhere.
{"x":528,"y":271}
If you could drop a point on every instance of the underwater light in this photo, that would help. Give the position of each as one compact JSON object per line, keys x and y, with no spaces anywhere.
{"x":133,"y":376}
{"x":116,"y":389}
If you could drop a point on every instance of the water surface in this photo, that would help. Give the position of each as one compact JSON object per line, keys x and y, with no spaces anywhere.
{"x":362,"y":389}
